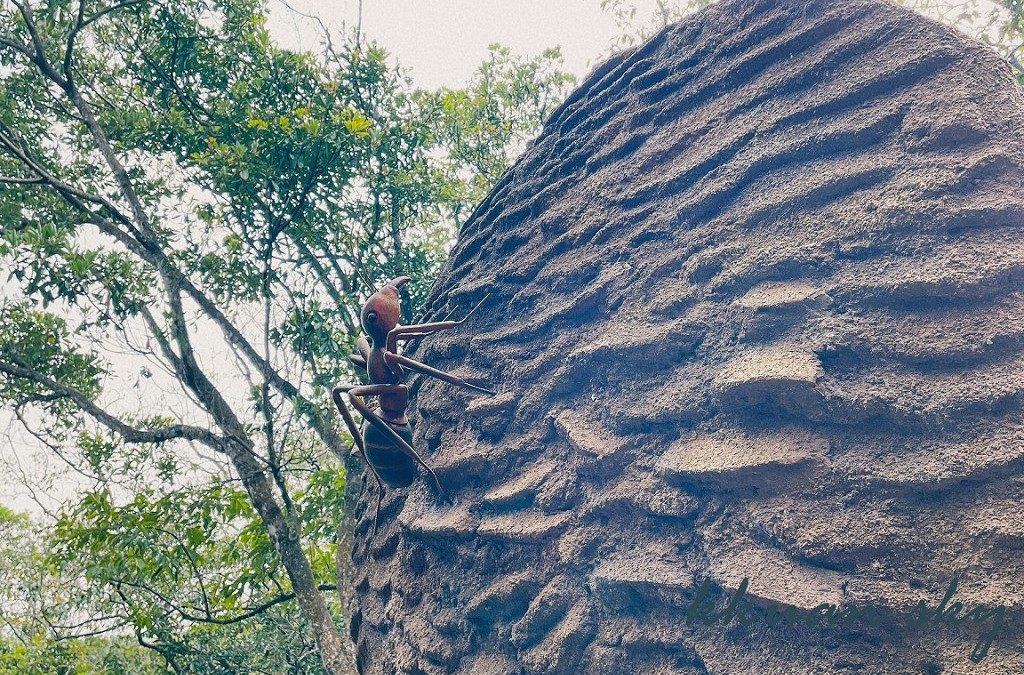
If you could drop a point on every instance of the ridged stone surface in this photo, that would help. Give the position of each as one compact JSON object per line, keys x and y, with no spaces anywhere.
{"x":756,"y":310}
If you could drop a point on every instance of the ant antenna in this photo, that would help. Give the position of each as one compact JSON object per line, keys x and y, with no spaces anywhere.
{"x":475,"y":307}
{"x":362,"y":277}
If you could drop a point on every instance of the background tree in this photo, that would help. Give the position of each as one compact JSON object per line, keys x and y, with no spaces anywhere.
{"x":999,"y":23}
{"x":485,"y":125}
{"x":636,"y":27}
{"x":37,"y":610}
{"x":190,"y":220}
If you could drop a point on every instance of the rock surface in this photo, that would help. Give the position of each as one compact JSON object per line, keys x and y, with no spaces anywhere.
{"x":756,"y":312}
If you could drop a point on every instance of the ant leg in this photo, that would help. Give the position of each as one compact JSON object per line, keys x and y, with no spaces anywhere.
{"x":419,"y":330}
{"x":414,"y":331}
{"x":357,"y":438}
{"x":353,"y":428}
{"x":379,"y":422}
{"x":362,"y":353}
{"x":423,"y":368}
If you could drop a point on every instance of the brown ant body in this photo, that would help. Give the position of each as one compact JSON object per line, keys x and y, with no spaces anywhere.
{"x":385,"y":441}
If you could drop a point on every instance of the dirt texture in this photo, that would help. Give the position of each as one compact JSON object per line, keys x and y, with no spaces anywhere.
{"x":756,"y":311}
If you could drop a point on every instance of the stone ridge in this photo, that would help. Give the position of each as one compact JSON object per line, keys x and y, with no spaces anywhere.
{"x":756,"y":311}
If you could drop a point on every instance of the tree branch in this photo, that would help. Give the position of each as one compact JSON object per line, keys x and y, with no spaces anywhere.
{"x":38,"y":56}
{"x":15,"y":180}
{"x":129,"y":433}
{"x":16,"y":148}
{"x":17,"y":46}
{"x":69,"y":49}
{"x":82,"y":23}
{"x":169,"y":658}
{"x":18,"y":413}
{"x":208,"y":617}
{"x":61,"y":633}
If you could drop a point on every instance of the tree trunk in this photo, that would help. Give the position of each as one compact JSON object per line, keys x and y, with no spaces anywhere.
{"x":335,"y":651}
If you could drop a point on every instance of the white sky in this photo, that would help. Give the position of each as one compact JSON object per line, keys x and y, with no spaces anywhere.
{"x":441,"y":42}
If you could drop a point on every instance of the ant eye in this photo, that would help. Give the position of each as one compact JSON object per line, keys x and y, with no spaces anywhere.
{"x":371,"y":317}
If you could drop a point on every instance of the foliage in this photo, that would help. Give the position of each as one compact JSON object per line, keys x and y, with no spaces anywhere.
{"x":33,"y":602}
{"x":190,"y":218}
{"x":483,"y":126}
{"x":636,"y":28}
{"x":999,"y":23}
{"x":161,"y":554}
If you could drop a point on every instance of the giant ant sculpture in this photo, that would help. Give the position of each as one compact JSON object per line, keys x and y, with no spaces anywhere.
{"x":385,"y":441}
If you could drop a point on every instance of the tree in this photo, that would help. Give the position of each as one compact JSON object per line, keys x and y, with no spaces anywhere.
{"x":635,"y":28}
{"x":191,"y":215}
{"x":31,"y":598}
{"x":999,"y":23}
{"x":487,"y":124}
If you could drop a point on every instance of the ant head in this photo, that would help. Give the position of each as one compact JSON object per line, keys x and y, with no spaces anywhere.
{"x":381,"y":312}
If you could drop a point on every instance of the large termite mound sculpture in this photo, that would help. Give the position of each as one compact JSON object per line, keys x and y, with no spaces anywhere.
{"x":756,"y":311}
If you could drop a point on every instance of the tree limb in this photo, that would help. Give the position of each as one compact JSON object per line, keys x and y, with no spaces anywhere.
{"x":207,"y":616}
{"x":129,"y":433}
{"x":81,"y":23}
{"x":16,"y":180}
{"x":17,"y":46}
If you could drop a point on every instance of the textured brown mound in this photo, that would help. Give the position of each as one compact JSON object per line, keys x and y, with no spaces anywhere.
{"x":756,"y":311}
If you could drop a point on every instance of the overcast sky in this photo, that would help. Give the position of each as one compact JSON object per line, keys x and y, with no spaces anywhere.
{"x":441,"y":42}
